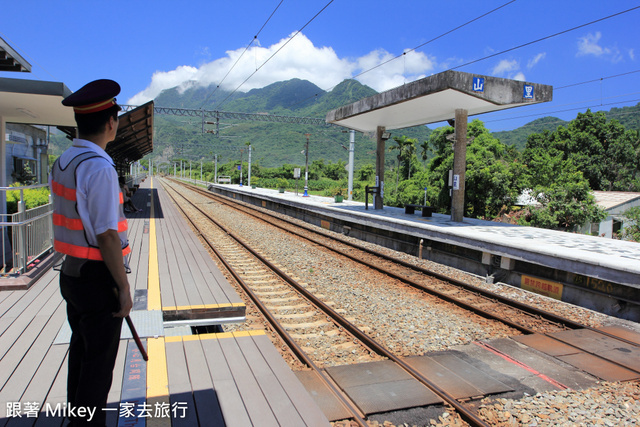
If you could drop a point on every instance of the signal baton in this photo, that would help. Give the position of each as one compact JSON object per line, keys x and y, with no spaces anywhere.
{"x":137,"y":339}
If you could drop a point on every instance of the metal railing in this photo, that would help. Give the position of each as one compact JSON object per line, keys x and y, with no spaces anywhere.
{"x":26,"y":234}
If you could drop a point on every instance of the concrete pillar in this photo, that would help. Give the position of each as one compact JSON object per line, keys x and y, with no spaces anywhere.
{"x":378,"y":199}
{"x":486,"y":258}
{"x":507,"y":263}
{"x":459,"y":166}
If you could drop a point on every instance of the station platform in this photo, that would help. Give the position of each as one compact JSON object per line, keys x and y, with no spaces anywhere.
{"x":593,"y":272}
{"x":206,"y":379}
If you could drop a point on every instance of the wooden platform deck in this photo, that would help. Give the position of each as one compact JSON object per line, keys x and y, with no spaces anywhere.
{"x":212,"y":379}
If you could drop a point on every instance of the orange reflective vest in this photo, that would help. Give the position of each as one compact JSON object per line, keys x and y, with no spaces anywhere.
{"x":69,"y":234}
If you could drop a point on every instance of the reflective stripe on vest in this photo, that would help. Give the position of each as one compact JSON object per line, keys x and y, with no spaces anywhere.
{"x":69,"y":234}
{"x":83,"y":252}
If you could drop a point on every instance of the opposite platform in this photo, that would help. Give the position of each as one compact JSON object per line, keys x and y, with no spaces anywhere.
{"x":594,"y":272}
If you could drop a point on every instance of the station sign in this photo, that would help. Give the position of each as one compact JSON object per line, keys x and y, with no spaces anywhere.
{"x":527,"y":92}
{"x":478,"y":84}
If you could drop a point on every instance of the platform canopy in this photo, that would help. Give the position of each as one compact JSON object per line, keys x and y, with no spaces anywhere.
{"x":134,"y":138}
{"x":10,"y":60}
{"x":435,"y":98}
{"x":34,"y":102}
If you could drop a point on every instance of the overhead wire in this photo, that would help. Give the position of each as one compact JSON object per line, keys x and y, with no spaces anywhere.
{"x":415,"y":48}
{"x":544,"y":38}
{"x":242,"y":54}
{"x":276,"y":52}
{"x":596,"y":80}
{"x":433,"y":39}
{"x":497,"y":53}
{"x":563,"y":111}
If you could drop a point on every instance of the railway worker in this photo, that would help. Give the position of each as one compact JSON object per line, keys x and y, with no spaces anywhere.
{"x":90,"y":229}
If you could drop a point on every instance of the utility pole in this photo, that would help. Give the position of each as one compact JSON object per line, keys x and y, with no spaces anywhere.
{"x":249,"y":172}
{"x":241,"y":150}
{"x":215,"y":173}
{"x":306,"y":167}
{"x":352,"y":149}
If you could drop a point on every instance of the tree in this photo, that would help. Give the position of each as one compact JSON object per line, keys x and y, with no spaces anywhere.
{"x":631,"y":231}
{"x":566,"y":202}
{"x":406,"y":149}
{"x":602,"y":150}
{"x":489,"y":181}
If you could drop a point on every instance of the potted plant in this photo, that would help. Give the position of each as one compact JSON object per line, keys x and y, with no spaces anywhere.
{"x":338,"y":194}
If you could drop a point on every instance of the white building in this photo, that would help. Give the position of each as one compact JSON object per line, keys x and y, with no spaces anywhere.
{"x":615,"y":203}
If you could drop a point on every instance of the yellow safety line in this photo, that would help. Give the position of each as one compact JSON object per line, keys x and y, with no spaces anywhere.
{"x":237,"y":334}
{"x":157,"y":377}
{"x":202,"y":306}
{"x":153,"y":287}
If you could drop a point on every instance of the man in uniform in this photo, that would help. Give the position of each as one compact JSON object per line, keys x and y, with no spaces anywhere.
{"x":90,"y":229}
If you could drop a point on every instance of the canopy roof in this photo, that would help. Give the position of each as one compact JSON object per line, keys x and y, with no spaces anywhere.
{"x":34,"y":102}
{"x":134,"y":139}
{"x":10,"y":60}
{"x":435,"y":99}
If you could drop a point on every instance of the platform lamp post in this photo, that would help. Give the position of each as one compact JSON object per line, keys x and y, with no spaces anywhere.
{"x":306,"y":167}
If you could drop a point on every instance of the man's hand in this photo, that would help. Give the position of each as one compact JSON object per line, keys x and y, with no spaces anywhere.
{"x":126,"y":304}
{"x":109,"y":244}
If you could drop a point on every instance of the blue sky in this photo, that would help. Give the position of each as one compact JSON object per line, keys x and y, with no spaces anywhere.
{"x":148,"y":46}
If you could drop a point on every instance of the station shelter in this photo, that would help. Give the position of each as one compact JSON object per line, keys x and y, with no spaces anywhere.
{"x":448,"y":96}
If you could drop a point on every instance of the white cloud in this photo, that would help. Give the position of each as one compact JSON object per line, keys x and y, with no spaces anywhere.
{"x":162,"y":80}
{"x":298,"y":59}
{"x":632,"y":55}
{"x":409,"y":67}
{"x":590,"y":45}
{"x":534,"y":61}
{"x":509,"y":69}
{"x":520,"y":77}
{"x":505,"y":67}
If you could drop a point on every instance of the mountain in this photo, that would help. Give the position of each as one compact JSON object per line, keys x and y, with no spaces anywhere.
{"x":629,"y":117}
{"x":518,"y":137}
{"x":273,"y":144}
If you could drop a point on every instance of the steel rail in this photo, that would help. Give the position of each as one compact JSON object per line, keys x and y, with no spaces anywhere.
{"x":526,"y":308}
{"x":381,"y":269}
{"x":466,"y":414}
{"x":551,"y":317}
{"x":357,"y":415}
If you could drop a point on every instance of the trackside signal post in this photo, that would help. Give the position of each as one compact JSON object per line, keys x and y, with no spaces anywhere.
{"x":444,"y":96}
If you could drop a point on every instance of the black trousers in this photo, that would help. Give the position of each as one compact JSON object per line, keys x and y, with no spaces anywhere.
{"x":91,"y":300}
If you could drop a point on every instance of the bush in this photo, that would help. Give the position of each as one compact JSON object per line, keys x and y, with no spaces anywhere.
{"x":632,"y":229}
{"x":33,"y":197}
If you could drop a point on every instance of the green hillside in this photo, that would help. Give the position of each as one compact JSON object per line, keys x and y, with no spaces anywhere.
{"x":518,"y":137}
{"x":275,"y":144}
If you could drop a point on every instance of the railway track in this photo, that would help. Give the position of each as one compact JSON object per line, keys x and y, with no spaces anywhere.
{"x":304,"y":303}
{"x":303,"y":317}
{"x":524,"y":318}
